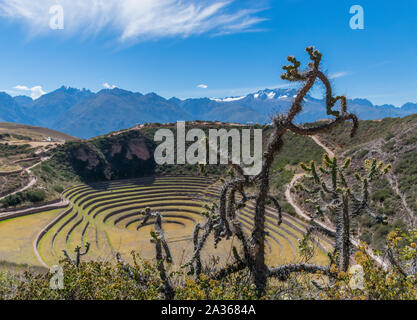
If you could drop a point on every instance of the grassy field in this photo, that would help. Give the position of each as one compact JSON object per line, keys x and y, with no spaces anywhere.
{"x":106,"y":216}
{"x":18,"y":234}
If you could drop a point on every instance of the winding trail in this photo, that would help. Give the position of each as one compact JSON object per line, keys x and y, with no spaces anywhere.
{"x":300,"y":212}
{"x":321,"y":144}
{"x":392,"y":180}
{"x":32,"y":180}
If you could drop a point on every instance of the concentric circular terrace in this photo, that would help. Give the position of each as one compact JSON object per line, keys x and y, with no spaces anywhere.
{"x":107,"y":216}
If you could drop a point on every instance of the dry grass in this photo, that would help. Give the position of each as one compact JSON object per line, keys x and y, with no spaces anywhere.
{"x":17,"y":236}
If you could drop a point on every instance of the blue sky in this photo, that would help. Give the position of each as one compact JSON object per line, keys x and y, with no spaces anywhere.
{"x":232,"y":47}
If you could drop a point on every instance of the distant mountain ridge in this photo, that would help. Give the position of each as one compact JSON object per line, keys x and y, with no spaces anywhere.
{"x":85,"y":114}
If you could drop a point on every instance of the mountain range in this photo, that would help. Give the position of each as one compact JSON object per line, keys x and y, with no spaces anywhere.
{"x":85,"y":114}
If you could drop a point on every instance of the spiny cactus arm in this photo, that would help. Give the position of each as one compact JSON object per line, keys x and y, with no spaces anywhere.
{"x":324,"y":171}
{"x":308,"y":78}
{"x":125,"y":266}
{"x":394,"y":262}
{"x":301,"y":187}
{"x":168,"y":290}
{"x":233,"y":184}
{"x":334,"y":171}
{"x":244,"y":196}
{"x":275,"y":203}
{"x":230,"y":269}
{"x":68,"y":256}
{"x":362,"y":206}
{"x":342,"y":180}
{"x":208,"y":227}
{"x":311,"y":168}
{"x":87,"y":248}
{"x":283,"y":272}
{"x":227,"y":271}
{"x":246,"y":243}
{"x":318,"y":210}
{"x":147,"y":215}
{"x":161,"y":236}
{"x":278,"y":207}
{"x":292,"y":72}
{"x":198,"y":266}
{"x":327,"y":126}
{"x":376,"y":168}
{"x":231,"y":206}
{"x":158,"y":239}
{"x":330,"y":100}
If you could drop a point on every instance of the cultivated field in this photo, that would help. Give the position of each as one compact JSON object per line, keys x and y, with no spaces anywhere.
{"x":106,"y":215}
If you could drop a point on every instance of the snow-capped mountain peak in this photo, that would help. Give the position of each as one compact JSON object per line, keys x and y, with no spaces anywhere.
{"x":266,"y":94}
{"x":228,"y":99}
{"x":274,"y":94}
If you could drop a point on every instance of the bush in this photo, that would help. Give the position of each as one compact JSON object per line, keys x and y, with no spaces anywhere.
{"x":59,"y":189}
{"x":36,"y":195}
{"x":11,"y":201}
{"x":33,"y":196}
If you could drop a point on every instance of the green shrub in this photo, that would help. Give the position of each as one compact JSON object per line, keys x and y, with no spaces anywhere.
{"x":59,"y":189}
{"x":35,"y":195}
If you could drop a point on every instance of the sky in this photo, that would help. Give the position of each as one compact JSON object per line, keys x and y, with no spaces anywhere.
{"x":206,"y":48}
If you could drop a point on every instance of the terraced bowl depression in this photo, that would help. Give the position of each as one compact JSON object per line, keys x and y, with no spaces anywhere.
{"x":107,"y":216}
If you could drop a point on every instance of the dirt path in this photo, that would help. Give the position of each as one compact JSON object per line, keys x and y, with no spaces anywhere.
{"x":317,"y":141}
{"x":394,"y":185}
{"x":32,"y":180}
{"x":300,"y":212}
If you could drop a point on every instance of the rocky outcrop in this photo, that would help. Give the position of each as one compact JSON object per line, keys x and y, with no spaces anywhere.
{"x":128,"y":154}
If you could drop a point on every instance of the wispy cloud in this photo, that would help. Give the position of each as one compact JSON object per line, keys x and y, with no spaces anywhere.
{"x":136,"y":20}
{"x":202,"y":86}
{"x":338,"y":75}
{"x":108,"y":86}
{"x":35,"y":92}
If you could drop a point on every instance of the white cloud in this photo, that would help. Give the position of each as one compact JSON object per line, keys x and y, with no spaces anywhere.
{"x":136,"y":20}
{"x":108,"y":86}
{"x":338,"y":75}
{"x":202,"y":86}
{"x":35,"y":92}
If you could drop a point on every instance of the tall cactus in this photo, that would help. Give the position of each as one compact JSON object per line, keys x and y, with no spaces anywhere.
{"x":334,"y":195}
{"x":158,"y":238}
{"x":224,"y":223}
{"x":78,"y":254}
